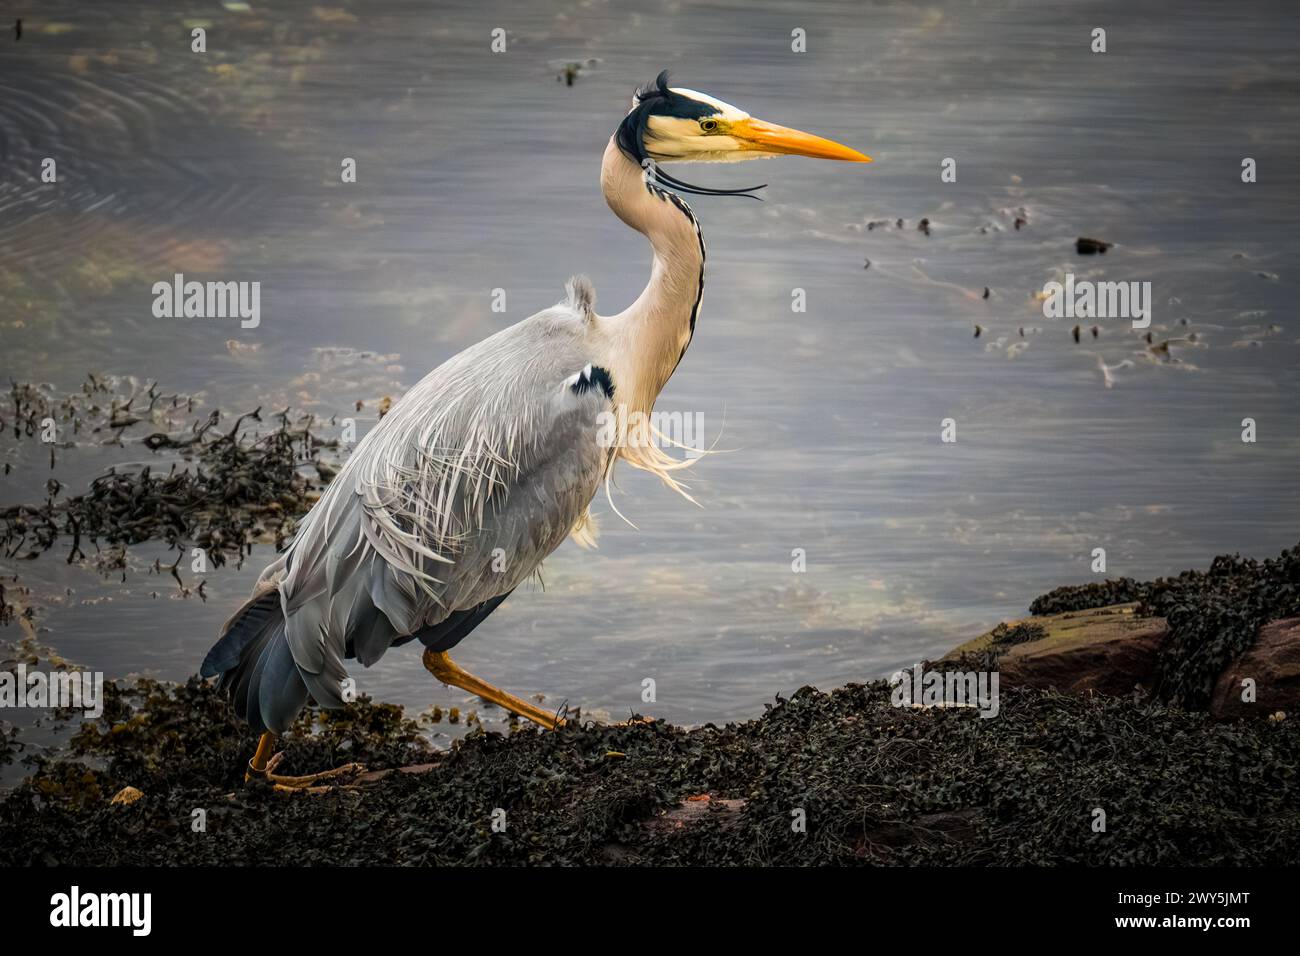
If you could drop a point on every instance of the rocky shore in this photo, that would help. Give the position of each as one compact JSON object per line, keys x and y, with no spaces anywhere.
{"x":1127,"y":732}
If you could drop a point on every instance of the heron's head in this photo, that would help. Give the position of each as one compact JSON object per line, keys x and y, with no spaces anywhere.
{"x":674,"y":125}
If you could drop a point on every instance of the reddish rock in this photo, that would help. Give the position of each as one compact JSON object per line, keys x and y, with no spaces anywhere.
{"x":692,"y":810}
{"x":1112,"y":650}
{"x":1274,"y":664}
{"x":1108,"y":650}
{"x":1114,"y":661}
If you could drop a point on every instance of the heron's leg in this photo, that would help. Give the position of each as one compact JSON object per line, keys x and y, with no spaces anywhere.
{"x":449,"y":672}
{"x":263,"y":765}
{"x":257,"y":766}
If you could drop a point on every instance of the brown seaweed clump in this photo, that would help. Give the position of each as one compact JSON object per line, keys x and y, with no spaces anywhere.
{"x":232,"y":486}
{"x":866,"y":781}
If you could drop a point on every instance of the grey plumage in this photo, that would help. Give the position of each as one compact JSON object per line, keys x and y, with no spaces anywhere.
{"x":452,"y":500}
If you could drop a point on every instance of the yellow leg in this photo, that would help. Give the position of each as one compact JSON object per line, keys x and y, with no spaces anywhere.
{"x":257,"y":766}
{"x":263,"y":766}
{"x":449,"y":672}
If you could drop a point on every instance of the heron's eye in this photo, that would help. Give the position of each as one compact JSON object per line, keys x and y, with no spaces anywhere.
{"x":708,"y":125}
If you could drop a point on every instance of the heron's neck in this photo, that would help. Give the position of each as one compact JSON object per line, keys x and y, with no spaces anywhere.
{"x":648,"y":339}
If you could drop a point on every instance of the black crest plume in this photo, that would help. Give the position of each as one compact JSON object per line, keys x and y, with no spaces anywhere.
{"x":656,"y":99}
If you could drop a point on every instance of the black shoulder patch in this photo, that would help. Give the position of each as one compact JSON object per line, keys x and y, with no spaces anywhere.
{"x":593,"y":376}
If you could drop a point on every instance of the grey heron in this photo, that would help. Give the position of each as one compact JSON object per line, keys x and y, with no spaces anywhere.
{"x":485,"y":466}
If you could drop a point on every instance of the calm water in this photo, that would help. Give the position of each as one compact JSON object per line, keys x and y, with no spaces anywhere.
{"x":479,"y":171}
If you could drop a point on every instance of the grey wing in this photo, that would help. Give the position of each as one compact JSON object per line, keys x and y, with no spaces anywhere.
{"x":453,"y":499}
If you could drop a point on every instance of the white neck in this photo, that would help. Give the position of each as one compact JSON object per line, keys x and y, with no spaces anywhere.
{"x":644,"y":343}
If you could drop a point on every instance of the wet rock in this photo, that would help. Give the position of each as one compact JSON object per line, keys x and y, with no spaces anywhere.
{"x":1123,"y":648}
{"x":1087,"y":247}
{"x":1109,"y":650}
{"x":1214,"y":615}
{"x":1274,"y":665}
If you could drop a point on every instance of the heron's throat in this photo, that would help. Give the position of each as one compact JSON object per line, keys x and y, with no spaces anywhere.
{"x":652,"y":334}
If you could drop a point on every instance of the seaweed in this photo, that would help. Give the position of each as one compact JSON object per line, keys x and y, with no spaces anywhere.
{"x":1213,"y":615}
{"x":234,"y":487}
{"x":875,"y":784}
{"x":1001,"y":639}
{"x":9,"y":745}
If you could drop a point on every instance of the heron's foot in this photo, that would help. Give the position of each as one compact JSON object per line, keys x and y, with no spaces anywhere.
{"x":263,"y":764}
{"x":310,"y":781}
{"x":633,"y":721}
{"x":449,"y":672}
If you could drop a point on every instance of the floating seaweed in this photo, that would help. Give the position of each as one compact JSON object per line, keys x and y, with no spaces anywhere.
{"x":233,"y":486}
{"x":97,"y":407}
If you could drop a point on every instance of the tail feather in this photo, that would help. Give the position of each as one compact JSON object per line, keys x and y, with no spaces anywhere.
{"x":281,"y":691}
{"x":244,"y":627}
{"x":255,"y":665}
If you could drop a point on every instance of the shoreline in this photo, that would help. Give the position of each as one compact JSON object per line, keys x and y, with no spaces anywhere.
{"x":1085,"y":776}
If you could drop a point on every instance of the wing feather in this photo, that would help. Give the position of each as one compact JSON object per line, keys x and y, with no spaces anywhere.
{"x":455,"y":497}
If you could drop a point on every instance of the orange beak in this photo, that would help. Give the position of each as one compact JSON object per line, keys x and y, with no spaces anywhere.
{"x":770,"y":138}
